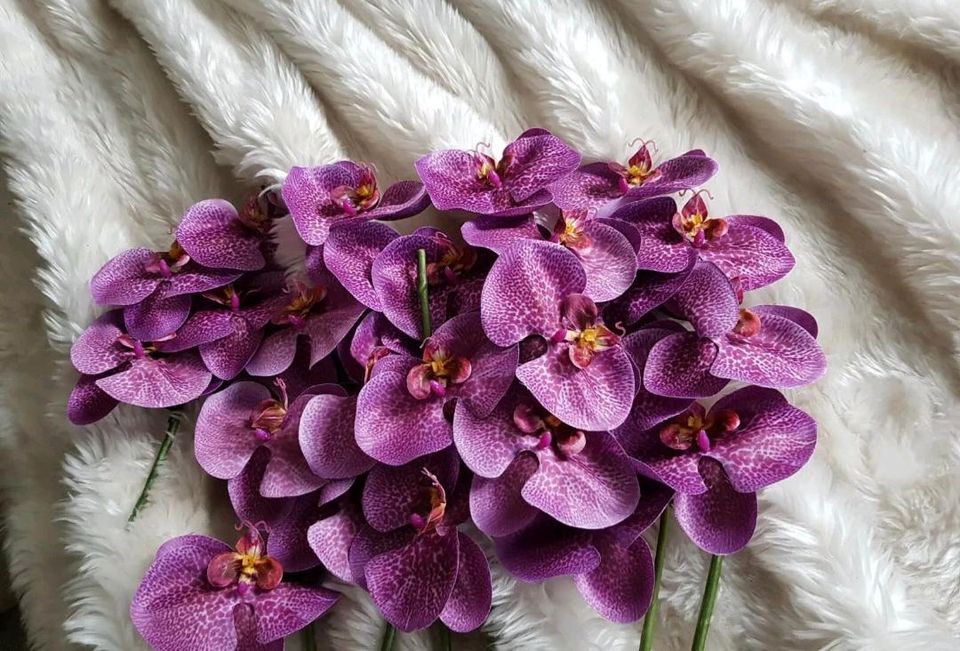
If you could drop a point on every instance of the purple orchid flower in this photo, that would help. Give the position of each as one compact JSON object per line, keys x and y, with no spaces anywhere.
{"x":200,"y":594}
{"x":411,"y":558}
{"x":454,"y":274}
{"x":349,"y":253}
{"x":585,"y":377}
{"x":154,"y":288}
{"x":324,"y":198}
{"x":745,"y":247}
{"x":517,"y":184}
{"x":403,"y":410}
{"x":717,"y":460}
{"x":235,"y":422}
{"x":374,"y":339}
{"x":228,"y":330}
{"x":609,"y":185}
{"x":217,"y":235}
{"x":606,"y":254}
{"x":763,"y":345}
{"x":331,"y":535}
{"x":117,"y":367}
{"x":526,"y":459}
{"x":288,"y":518}
{"x":612,"y":567}
{"x":322,"y":311}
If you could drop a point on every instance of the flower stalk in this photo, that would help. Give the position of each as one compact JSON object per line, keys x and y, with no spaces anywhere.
{"x":706,"y":605}
{"x":389,"y":634}
{"x":650,"y":621}
{"x":422,"y":293}
{"x":173,"y":425}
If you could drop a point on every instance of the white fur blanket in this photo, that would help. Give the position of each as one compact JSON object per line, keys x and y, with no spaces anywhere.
{"x":839,"y":118}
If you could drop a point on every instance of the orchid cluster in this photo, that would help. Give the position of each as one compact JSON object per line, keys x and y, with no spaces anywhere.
{"x":544,"y":380}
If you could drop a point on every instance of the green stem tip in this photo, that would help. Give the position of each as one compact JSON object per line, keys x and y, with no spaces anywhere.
{"x":650,"y":621}
{"x":389,"y":634}
{"x":706,"y":605}
{"x":422,"y":293}
{"x":173,"y":424}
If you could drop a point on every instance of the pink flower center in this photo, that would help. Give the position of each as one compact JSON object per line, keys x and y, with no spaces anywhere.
{"x":586,"y":342}
{"x":639,"y":168}
{"x":489,"y":171}
{"x":431,"y":506}
{"x":439,"y":370}
{"x":247,"y":567}
{"x":696,"y":427}
{"x":695,"y":225}
{"x":551,"y":432}
{"x":454,"y":262}
{"x":267,"y":419}
{"x":364,"y":196}
{"x":227,"y":296}
{"x":304,"y":300}
{"x":255,"y":214}
{"x":569,"y":231}
{"x":167,"y":263}
{"x":748,"y":324}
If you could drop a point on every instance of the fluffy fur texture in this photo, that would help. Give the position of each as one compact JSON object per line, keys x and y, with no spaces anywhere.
{"x":838,"y":117}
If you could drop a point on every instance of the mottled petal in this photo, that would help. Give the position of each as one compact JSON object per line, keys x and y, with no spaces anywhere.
{"x":287,"y":473}
{"x":88,"y":403}
{"x":194,"y":279}
{"x":707,"y":300}
{"x":679,"y":366}
{"x":662,"y":248}
{"x":123,"y":280}
{"x":591,"y":186}
{"x":394,"y":274}
{"x":327,"y":440}
{"x":801,"y":317}
{"x":621,"y":587}
{"x":275,"y":355}
{"x":497,"y":506}
{"x":488,"y":445}
{"x":369,"y":542}
{"x":212,"y":233}
{"x":533,"y":162}
{"x":155,"y":383}
{"x":610,"y":262}
{"x":411,"y":585}
{"x":683,"y":172}
{"x":781,"y":355}
{"x":330,"y":539}
{"x":593,"y":489}
{"x":547,"y":549}
{"x":720,"y":520}
{"x":402,"y":199}
{"x":223,"y":440}
{"x":349,"y":253}
{"x":649,"y":290}
{"x":288,"y":608}
{"x":202,"y":327}
{"x":157,"y":316}
{"x":597,"y":397}
{"x":524,"y":289}
{"x":756,"y":221}
{"x":96,"y":349}
{"x":469,"y":603}
{"x":391,"y":492}
{"x":498,"y":233}
{"x":306,"y":192}
{"x":228,"y":356}
{"x":751,"y":254}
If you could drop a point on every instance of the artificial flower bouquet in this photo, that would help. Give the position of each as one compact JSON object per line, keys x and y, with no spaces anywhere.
{"x":579,"y":361}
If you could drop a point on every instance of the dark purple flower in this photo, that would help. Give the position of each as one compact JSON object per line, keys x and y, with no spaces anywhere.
{"x":118,"y":367}
{"x":584,"y":378}
{"x":216,"y":235}
{"x":599,"y":184}
{"x":606,"y":254}
{"x":612,"y":567}
{"x":287,"y":518}
{"x":526,"y":459}
{"x":745,"y":247}
{"x":514,"y":185}
{"x":349,"y":253}
{"x":233,"y":423}
{"x":717,"y":460}
{"x":229,"y":329}
{"x":402,"y":411}
{"x":154,"y":288}
{"x":323,"y":198}
{"x":454,"y":274}
{"x":322,"y":311}
{"x":200,"y":594}
{"x":763,"y":346}
{"x":411,"y":558}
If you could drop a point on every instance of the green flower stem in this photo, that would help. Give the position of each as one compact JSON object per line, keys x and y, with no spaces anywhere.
{"x":309,"y":638}
{"x":173,"y":424}
{"x":446,"y":639}
{"x":707,"y":604}
{"x":388,"y":636}
{"x":650,"y":621}
{"x":422,"y":293}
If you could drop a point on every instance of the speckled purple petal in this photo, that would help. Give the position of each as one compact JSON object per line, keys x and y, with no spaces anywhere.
{"x":629,"y":231}
{"x":773,"y":441}
{"x":411,"y":585}
{"x":402,"y":199}
{"x":751,"y":254}
{"x":213,"y":235}
{"x":88,"y":403}
{"x":781,"y":355}
{"x":591,"y":490}
{"x":327,"y":440}
{"x":123,"y":280}
{"x":288,"y":608}
{"x":391,"y":492}
{"x":524,"y":289}
{"x":498,"y":233}
{"x":245,"y":622}
{"x":394,"y":427}
{"x":533,"y":162}
{"x":368,"y":543}
{"x":707,"y":300}
{"x":547,"y":549}
{"x":649,"y":290}
{"x":96,"y":349}
{"x":489,"y":444}
{"x":450,"y":177}
{"x":662,"y":248}
{"x":394,"y":274}
{"x":349,"y":253}
{"x":200,"y":328}
{"x":594,"y":398}
{"x":678,"y":470}
{"x":175,"y":608}
{"x":680,"y":366}
{"x":155,"y":383}
{"x":497,"y":506}
{"x":591,"y":186}
{"x":194,"y":279}
{"x":228,"y":356}
{"x":756,"y":221}
{"x":687,"y":171}
{"x":610,"y":263}
{"x":275,"y":355}
{"x":287,"y":473}
{"x":721,"y":520}
{"x":306,"y":192}
{"x":801,"y":317}
{"x":224,"y":440}
{"x":621,"y":587}
{"x":469,"y":603}
{"x":157,"y":316}
{"x":330,"y":539}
